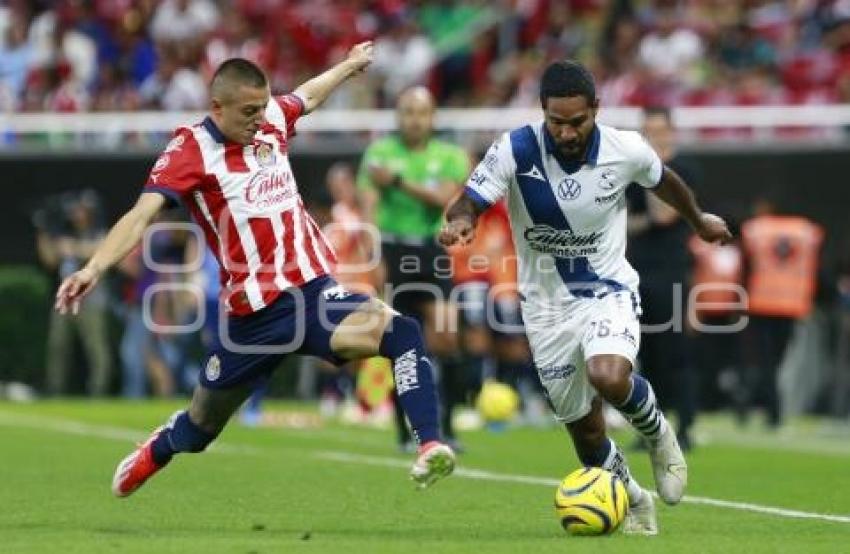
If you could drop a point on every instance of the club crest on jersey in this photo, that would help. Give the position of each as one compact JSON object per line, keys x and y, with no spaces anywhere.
{"x":213,"y":369}
{"x":569,"y":189}
{"x":265,"y":154}
{"x":608,"y":179}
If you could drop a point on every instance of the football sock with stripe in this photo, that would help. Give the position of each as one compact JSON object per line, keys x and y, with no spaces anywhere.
{"x":641,"y":409}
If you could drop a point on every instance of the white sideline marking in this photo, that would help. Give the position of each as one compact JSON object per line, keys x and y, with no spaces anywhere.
{"x":72,"y":427}
{"x":530,"y":480}
{"x":131,"y":435}
{"x":122,"y":434}
{"x":469,"y":473}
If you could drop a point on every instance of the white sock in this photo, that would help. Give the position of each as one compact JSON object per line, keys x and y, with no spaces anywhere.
{"x":616,"y":464}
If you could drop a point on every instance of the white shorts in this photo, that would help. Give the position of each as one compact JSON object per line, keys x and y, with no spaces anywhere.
{"x":562,"y":343}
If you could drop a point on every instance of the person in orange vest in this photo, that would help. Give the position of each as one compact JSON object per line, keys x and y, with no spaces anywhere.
{"x":782,"y":256}
{"x":357,"y":267}
{"x":715,"y":304}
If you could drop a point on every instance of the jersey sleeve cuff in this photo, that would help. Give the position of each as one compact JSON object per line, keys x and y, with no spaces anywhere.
{"x":173,"y":198}
{"x":479,"y":200}
{"x":657,"y":181}
{"x":301,"y":102}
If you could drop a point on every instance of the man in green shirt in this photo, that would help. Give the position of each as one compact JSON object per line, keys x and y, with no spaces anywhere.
{"x":405,"y":181}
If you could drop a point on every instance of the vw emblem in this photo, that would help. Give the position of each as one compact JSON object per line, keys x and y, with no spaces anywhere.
{"x":569,"y":189}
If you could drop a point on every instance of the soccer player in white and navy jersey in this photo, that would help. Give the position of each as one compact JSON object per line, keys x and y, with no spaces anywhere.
{"x":564,"y":179}
{"x":232,"y":171}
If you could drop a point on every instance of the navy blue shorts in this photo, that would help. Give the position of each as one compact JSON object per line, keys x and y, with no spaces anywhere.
{"x":297,"y":322}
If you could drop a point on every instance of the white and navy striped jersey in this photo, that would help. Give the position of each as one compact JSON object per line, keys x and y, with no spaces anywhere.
{"x":568,"y":218}
{"x":246,"y":201}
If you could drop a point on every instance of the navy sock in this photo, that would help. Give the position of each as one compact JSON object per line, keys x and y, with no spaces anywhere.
{"x":596,"y":459}
{"x":179,"y":435}
{"x":414,"y":376}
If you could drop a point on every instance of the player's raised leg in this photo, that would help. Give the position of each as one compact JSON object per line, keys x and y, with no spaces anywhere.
{"x":373,"y":329}
{"x":596,"y":449}
{"x":189,"y":430}
{"x":611,"y":375}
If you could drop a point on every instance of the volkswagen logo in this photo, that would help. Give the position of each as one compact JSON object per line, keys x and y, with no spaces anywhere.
{"x":569,"y":189}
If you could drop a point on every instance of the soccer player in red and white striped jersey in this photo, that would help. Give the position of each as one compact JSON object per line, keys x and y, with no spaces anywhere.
{"x":232,"y":171}
{"x":243,"y":195}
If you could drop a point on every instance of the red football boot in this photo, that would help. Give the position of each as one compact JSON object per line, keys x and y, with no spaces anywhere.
{"x":136,"y":468}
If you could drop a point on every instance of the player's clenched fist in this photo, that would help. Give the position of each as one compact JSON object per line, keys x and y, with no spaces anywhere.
{"x":459,"y":231}
{"x":361,"y":55}
{"x":712,"y":228}
{"x":73,"y":289}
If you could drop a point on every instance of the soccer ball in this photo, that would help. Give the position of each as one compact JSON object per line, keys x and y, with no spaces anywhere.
{"x":497,"y":402}
{"x":591,"y":501}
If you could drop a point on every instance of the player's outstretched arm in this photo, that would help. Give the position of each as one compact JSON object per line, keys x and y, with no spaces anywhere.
{"x":122,"y":237}
{"x":461,"y":219}
{"x":316,"y":90}
{"x":673,"y":190}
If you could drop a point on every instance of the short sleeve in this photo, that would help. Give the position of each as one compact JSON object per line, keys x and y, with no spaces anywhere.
{"x":179,"y":169}
{"x":284,"y":111}
{"x":493,"y":175}
{"x":647,"y":164}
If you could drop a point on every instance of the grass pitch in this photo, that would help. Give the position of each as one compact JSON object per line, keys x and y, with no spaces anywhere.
{"x":340,"y":489}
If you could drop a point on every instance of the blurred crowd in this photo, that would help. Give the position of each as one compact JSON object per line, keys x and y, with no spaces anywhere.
{"x":124,"y":55}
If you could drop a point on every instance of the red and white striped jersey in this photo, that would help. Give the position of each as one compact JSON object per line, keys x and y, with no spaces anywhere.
{"x":245,"y":199}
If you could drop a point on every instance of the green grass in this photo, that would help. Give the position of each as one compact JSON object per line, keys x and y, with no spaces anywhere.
{"x":271,"y":490}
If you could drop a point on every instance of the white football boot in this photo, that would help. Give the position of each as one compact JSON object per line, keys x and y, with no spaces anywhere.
{"x":640,"y":519}
{"x":435,"y":461}
{"x":668,"y":467}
